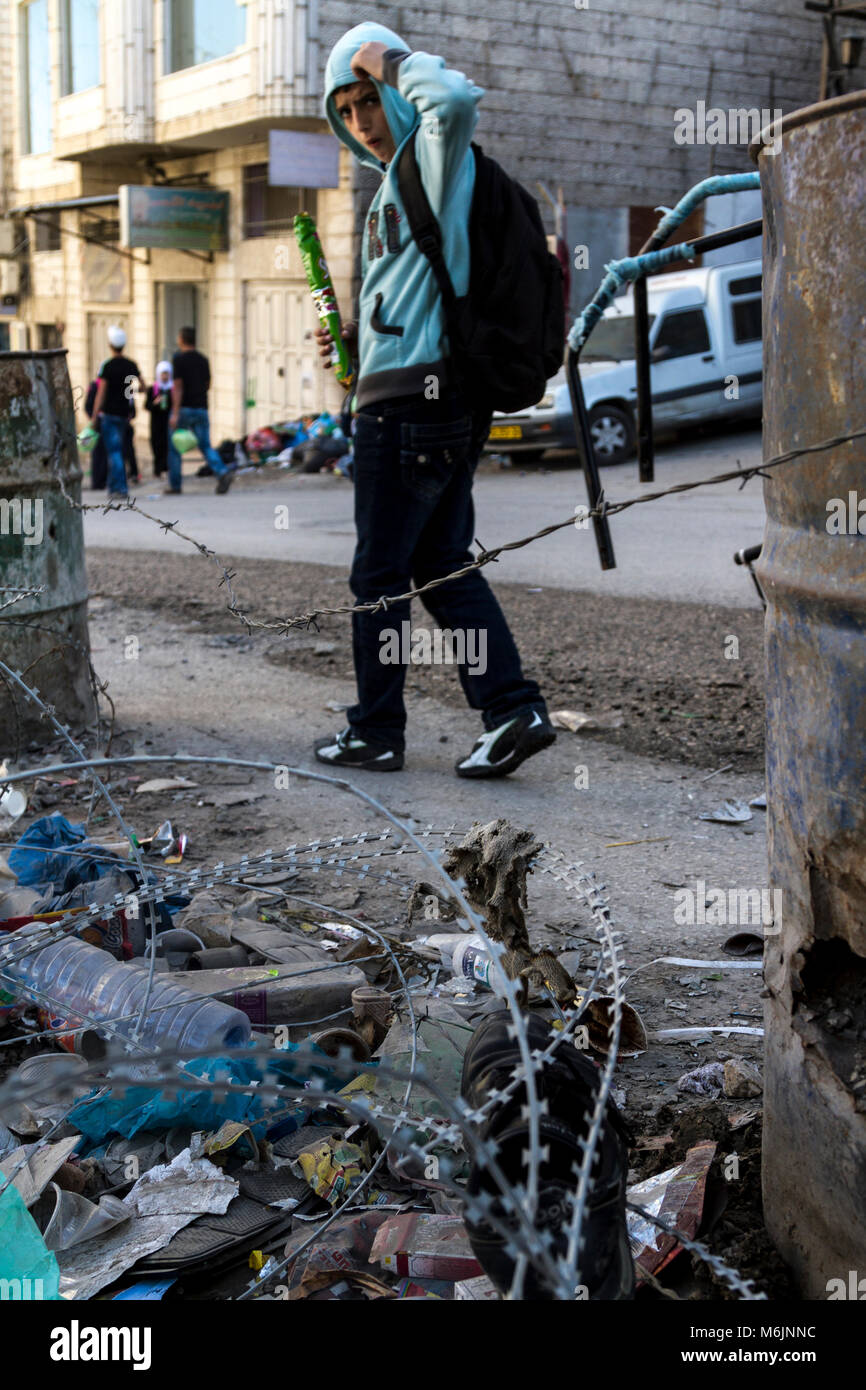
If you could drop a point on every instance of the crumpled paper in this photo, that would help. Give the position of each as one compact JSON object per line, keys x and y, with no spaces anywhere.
{"x":187,"y":1185}
{"x":162,"y":1202}
{"x":708,"y":1080}
{"x":334,"y":1167}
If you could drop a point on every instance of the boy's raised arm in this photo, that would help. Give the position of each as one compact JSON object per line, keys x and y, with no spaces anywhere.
{"x":446,"y":101}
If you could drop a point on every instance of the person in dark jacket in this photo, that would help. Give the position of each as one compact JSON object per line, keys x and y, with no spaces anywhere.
{"x":113,"y":409}
{"x":189,"y":411}
{"x":98,"y":456}
{"x":129,"y":459}
{"x":158,"y":403}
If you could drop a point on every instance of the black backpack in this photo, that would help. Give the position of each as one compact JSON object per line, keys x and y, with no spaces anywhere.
{"x":507,"y":334}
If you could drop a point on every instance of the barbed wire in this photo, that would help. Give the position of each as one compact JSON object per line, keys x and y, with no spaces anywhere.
{"x":153,"y":893}
{"x":457,"y":1123}
{"x":487,"y":556}
{"x":18,"y":594}
{"x":725,"y":1272}
{"x":32,"y":694}
{"x":400,"y":1132}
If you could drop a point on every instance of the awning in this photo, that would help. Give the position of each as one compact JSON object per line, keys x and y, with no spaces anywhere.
{"x":65,"y":204}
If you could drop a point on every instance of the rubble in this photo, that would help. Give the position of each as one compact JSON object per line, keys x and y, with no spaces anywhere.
{"x":742,"y":1080}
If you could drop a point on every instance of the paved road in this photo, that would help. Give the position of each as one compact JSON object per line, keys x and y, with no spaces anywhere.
{"x":679,"y":548}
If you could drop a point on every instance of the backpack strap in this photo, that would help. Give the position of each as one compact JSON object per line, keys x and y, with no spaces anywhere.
{"x":423,"y":225}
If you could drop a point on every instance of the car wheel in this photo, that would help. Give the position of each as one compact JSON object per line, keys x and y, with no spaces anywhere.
{"x":526,"y":456}
{"x":612,"y":432}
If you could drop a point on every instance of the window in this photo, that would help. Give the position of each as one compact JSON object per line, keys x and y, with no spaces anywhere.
{"x":750,"y":284}
{"x":612,"y":340}
{"x":80,"y":69}
{"x":100,"y":229}
{"x":198,"y":30}
{"x":47,"y":234}
{"x":4,"y":337}
{"x":681,"y":334}
{"x":268,"y":208}
{"x":746,"y":316}
{"x":36,"y":74}
{"x":48,"y":335}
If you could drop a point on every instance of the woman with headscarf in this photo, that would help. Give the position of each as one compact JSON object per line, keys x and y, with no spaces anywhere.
{"x":158,"y":402}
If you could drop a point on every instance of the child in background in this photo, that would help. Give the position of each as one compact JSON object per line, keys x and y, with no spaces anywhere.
{"x":158,"y":402}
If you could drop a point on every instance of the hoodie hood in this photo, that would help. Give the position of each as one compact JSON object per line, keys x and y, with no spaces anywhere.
{"x":400,"y":114}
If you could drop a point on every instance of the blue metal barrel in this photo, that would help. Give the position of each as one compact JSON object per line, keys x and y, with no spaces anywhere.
{"x":813,"y":571}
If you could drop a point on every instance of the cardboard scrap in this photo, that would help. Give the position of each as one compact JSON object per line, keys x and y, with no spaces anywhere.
{"x":425,"y":1247}
{"x":677,"y":1197}
{"x":482,"y":1288}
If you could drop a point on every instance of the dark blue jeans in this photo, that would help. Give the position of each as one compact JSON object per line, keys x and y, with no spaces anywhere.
{"x":113,"y":430}
{"x":415,"y":461}
{"x":193,"y":418}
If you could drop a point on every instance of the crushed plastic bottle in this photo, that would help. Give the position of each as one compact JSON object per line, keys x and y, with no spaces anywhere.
{"x":464,"y":955}
{"x":79,"y":984}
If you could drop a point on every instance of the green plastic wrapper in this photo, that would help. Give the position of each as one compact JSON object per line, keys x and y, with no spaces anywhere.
{"x":319,"y":281}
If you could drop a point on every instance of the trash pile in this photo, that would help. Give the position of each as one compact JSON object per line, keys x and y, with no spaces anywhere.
{"x":220,"y":1088}
{"x":310,"y":444}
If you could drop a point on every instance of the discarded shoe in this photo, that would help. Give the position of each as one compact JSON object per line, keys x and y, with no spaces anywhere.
{"x":500,"y":751}
{"x":348,"y":750}
{"x":567,"y":1083}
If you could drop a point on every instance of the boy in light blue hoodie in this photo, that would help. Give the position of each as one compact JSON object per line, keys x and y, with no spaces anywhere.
{"x":417,"y":441}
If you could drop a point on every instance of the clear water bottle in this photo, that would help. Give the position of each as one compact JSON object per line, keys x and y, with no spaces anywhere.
{"x":465,"y":955}
{"x":75,"y":983}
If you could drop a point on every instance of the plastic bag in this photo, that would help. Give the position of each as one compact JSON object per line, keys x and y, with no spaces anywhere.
{"x":28,"y":1269}
{"x":141,"y":1107}
{"x":183,"y":440}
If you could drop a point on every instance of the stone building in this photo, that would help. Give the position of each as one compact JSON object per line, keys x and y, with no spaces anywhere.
{"x":184,"y":93}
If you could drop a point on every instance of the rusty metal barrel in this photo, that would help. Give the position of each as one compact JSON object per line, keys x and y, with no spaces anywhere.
{"x":43,"y":635}
{"x":813,"y":571}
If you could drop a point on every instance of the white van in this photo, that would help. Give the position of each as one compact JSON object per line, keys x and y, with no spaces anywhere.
{"x":705,"y":340}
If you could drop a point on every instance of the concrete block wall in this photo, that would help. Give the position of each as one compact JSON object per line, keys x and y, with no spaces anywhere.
{"x":586,"y":97}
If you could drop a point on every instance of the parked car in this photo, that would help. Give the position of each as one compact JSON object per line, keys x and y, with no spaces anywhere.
{"x":705,"y":340}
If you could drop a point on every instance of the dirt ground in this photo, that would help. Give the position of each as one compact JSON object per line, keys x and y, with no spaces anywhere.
{"x":670,"y":707}
{"x":660,"y":668}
